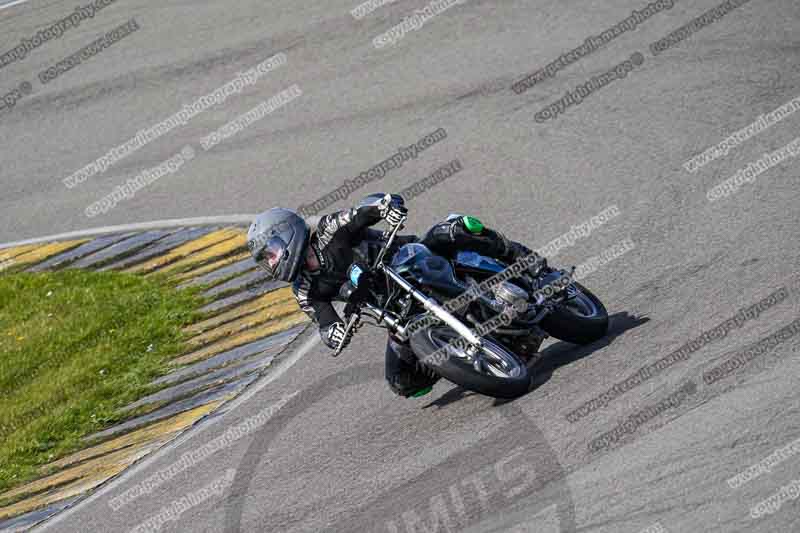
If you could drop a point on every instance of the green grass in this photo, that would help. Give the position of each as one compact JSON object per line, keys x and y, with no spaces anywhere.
{"x":74,"y":347}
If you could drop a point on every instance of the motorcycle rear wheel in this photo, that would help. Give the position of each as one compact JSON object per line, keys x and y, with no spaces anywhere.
{"x":581,"y":320}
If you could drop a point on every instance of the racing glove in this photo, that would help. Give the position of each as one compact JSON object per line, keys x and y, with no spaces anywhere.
{"x":393,"y":210}
{"x":333,"y":335}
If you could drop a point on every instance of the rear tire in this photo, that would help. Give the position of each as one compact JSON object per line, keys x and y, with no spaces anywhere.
{"x":454,"y":365}
{"x":572,"y":323}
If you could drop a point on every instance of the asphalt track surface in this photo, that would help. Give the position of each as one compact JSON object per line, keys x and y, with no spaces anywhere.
{"x":344,"y":454}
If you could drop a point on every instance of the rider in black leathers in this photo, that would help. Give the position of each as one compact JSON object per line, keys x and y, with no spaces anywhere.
{"x":316,"y":263}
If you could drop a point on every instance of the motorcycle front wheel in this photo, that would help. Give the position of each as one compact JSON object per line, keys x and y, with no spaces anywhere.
{"x":500,"y":373}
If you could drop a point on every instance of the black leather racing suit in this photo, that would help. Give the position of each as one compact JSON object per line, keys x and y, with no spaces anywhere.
{"x":344,"y":237}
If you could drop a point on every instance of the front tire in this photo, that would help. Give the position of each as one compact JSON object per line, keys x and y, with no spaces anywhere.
{"x":581,"y":320}
{"x":504,"y":374}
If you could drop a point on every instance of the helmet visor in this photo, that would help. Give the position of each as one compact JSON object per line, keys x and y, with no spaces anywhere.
{"x":271,"y":256}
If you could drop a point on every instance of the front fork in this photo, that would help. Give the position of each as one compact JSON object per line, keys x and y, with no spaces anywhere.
{"x":437,"y":310}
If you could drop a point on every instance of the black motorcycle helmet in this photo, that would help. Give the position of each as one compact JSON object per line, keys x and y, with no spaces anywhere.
{"x":277,"y":240}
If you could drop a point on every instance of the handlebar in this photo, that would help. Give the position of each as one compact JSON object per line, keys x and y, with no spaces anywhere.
{"x":354,"y":318}
{"x":389,"y":241}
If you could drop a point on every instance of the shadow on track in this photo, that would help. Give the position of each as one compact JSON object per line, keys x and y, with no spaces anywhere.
{"x":564,"y":353}
{"x":518,"y":435}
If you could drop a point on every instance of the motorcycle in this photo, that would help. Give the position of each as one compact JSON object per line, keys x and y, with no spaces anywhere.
{"x":471,"y":319}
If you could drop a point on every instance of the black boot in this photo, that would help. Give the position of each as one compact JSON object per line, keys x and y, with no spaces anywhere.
{"x":405,"y":375}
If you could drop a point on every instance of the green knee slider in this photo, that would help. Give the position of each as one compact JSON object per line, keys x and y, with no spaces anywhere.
{"x":422,"y":392}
